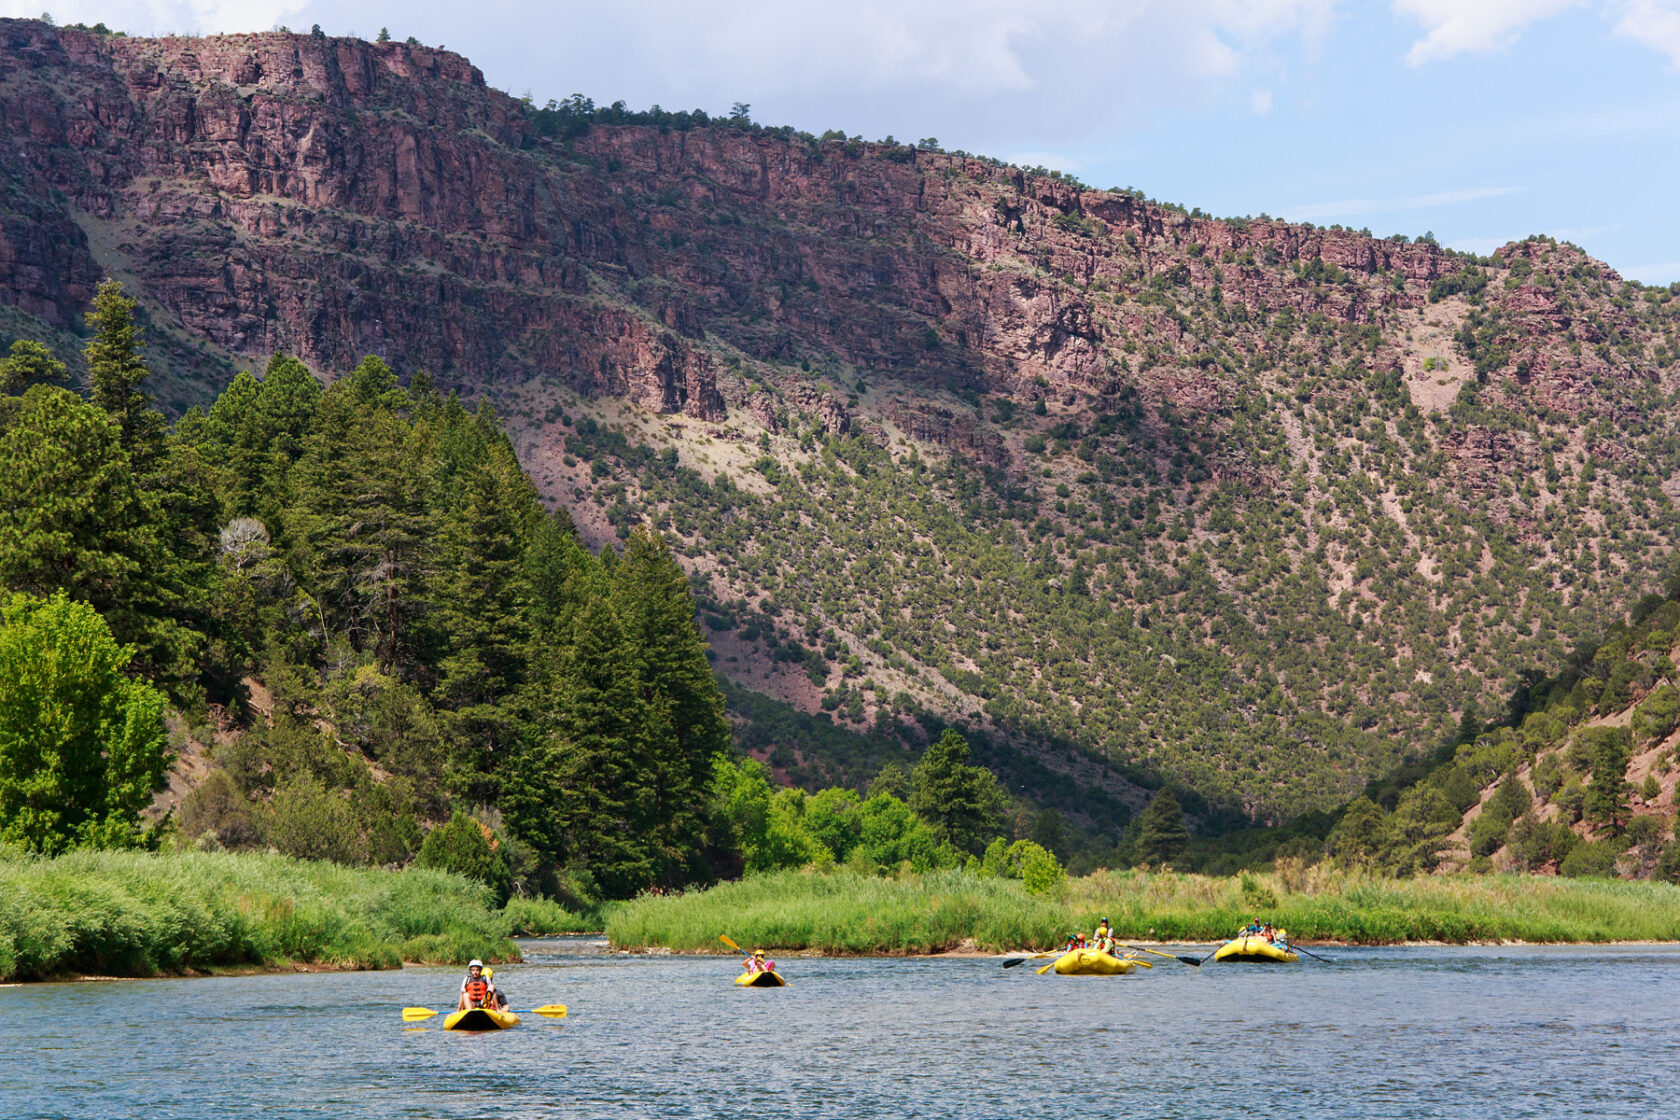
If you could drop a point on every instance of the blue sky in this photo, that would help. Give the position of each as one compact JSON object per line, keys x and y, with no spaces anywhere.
{"x":1479,"y":120}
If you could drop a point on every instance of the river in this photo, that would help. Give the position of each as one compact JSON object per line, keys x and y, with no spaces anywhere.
{"x":1403,"y":1032}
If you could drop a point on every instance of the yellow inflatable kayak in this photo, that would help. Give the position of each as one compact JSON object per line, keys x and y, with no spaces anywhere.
{"x":1255,"y":950}
{"x":1092,"y":962}
{"x":760,"y":980}
{"x":480,"y":1019}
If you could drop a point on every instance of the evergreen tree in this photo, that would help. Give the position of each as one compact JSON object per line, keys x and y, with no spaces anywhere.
{"x":29,"y":363}
{"x":652,"y":596}
{"x":1161,"y":834}
{"x":73,"y":517}
{"x":963,"y":803}
{"x":582,"y":791}
{"x":362,"y":520}
{"x":481,"y":591}
{"x":1607,"y":795}
{"x":117,"y":373}
{"x":466,"y":847}
{"x":259,"y":429}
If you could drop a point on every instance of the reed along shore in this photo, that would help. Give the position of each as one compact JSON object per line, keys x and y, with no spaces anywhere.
{"x":841,"y":912}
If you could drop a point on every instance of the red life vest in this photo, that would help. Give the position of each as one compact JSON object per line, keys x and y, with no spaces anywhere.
{"x":476,"y":991}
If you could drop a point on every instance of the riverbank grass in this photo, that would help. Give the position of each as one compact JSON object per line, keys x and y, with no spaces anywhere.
{"x":144,"y":914}
{"x":841,"y":912}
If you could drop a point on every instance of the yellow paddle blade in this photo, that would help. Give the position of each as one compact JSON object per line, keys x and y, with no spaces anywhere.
{"x":1047,"y":968}
{"x":730,"y":943}
{"x":550,"y":1010}
{"x":1143,"y":964}
{"x":415,"y":1014}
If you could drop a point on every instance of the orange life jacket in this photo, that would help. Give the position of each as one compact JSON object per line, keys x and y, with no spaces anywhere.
{"x":476,"y":991}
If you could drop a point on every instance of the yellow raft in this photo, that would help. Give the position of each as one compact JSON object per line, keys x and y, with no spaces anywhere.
{"x":760,"y":980}
{"x":480,"y":1019}
{"x":1092,"y":962}
{"x":1254,"y":950}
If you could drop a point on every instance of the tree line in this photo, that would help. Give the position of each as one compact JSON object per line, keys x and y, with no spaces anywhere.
{"x":355,"y":594}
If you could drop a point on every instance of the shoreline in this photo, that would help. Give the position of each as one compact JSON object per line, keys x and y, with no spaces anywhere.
{"x":985,"y":954}
{"x":960,"y":953}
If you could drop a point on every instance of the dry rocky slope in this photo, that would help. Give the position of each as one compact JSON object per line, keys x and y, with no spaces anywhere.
{"x":1249,"y":506}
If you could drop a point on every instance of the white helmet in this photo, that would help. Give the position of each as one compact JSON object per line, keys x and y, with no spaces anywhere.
{"x":475,"y":963}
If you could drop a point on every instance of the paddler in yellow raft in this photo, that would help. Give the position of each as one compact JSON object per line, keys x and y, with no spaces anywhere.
{"x":1258,"y":943}
{"x":1097,"y":957}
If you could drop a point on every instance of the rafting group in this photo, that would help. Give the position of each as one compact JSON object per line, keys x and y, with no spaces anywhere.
{"x":482,"y":1006}
{"x":1104,"y":955}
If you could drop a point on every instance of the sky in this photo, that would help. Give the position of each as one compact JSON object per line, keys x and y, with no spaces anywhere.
{"x":1480,"y":121}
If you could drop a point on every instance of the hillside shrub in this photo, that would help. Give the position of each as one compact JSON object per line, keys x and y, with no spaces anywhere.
{"x":461,"y":847}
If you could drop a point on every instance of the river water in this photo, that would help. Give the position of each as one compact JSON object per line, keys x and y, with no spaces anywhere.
{"x":1413,"y":1032}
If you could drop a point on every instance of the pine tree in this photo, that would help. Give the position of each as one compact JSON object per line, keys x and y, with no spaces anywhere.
{"x":481,"y":593}
{"x":1607,"y":796}
{"x":582,"y":789}
{"x":362,"y":522}
{"x":963,"y":803}
{"x":1161,"y":834}
{"x":653,"y":600}
{"x":117,"y":373}
{"x":29,"y":363}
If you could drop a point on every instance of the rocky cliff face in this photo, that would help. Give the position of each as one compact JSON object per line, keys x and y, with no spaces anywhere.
{"x":1322,"y":448}
{"x":330,"y":198}
{"x":334,"y":198}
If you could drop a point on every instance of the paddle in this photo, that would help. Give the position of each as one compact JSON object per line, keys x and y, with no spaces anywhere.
{"x":1310,"y":953}
{"x":733,"y":946}
{"x":1187,"y":960}
{"x":1013,"y":961}
{"x":547,"y":1011}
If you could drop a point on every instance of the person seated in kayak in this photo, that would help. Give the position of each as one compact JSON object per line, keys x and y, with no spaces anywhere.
{"x":757,"y":963}
{"x":475,"y":989}
{"x":497,"y":1000}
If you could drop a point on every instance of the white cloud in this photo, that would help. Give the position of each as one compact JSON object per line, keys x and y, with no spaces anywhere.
{"x":1359,"y":207}
{"x":989,"y":74}
{"x":1656,"y":23}
{"x":1456,"y":26}
{"x":1261,"y":101}
{"x":160,"y":17}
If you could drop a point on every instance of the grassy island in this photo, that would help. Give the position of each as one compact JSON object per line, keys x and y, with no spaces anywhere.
{"x":144,"y":914}
{"x":844,"y":913}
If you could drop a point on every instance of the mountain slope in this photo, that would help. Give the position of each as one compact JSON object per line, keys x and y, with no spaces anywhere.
{"x":1250,"y":507}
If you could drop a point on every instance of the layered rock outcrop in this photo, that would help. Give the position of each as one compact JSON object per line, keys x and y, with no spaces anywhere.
{"x":332,"y":198}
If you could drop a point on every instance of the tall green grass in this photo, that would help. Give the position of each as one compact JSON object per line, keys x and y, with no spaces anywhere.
{"x":141,"y":914}
{"x":842,"y":912}
{"x":542,"y":917}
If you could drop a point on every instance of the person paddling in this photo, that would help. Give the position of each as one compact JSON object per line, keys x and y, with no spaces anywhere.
{"x":1102,"y":938}
{"x":757,"y":963}
{"x":475,"y":989}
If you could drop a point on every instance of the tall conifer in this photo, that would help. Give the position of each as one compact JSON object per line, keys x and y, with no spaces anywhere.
{"x":117,"y":372}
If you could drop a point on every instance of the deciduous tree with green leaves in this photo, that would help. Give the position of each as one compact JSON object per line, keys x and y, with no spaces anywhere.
{"x":82,"y":746}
